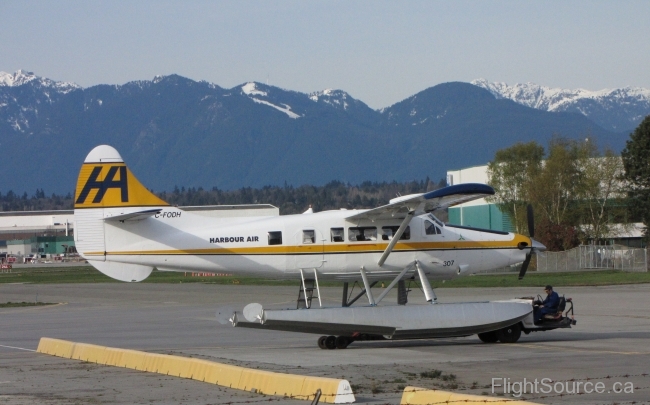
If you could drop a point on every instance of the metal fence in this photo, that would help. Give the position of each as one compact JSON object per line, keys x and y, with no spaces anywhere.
{"x":594,"y":257}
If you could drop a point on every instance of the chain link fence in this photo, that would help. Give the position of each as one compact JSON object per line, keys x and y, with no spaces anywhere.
{"x":594,"y":257}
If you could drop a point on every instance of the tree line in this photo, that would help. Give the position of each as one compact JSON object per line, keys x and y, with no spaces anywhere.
{"x":289,"y":199}
{"x":578,"y":191}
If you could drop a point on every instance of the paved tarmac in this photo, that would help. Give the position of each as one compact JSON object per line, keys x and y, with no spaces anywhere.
{"x":612,"y":339}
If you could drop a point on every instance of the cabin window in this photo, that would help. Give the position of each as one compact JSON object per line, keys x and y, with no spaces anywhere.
{"x":387,"y":232}
{"x":431,"y":229}
{"x":336,"y":235}
{"x":275,"y":238}
{"x":308,"y":237}
{"x":362,"y":234}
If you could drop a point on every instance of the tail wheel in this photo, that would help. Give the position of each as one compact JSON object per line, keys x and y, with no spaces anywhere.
{"x":488,"y":337}
{"x":509,"y":334}
{"x":321,"y":342}
{"x":330,"y":342}
{"x":342,"y":342}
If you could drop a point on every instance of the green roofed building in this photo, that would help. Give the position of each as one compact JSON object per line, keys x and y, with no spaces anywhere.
{"x":486,"y":216}
{"x":478,"y":213}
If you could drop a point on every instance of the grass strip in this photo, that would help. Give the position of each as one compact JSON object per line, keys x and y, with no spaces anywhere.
{"x":533,"y":279}
{"x":24,"y":304}
{"x":87,"y":274}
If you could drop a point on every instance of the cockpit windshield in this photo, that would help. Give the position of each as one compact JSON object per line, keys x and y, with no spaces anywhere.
{"x":436,"y":220}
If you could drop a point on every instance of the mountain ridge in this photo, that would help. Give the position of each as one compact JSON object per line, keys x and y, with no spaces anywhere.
{"x":174,"y":131}
{"x":632,"y":103}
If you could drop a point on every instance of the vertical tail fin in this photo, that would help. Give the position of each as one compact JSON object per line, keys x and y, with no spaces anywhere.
{"x":106,"y":184}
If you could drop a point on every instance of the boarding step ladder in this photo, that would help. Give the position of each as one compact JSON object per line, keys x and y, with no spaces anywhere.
{"x":306,"y":294}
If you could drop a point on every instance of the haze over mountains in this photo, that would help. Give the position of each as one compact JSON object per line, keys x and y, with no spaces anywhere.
{"x":173,"y":131}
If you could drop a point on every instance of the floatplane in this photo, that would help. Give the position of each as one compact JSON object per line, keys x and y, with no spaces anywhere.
{"x":125,"y":231}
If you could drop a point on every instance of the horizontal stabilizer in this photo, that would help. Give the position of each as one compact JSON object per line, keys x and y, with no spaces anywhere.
{"x":134,"y":216}
{"x":427,"y":202}
{"x":122,"y":271}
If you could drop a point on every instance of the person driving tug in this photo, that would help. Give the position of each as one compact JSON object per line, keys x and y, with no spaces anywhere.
{"x":547,"y":307}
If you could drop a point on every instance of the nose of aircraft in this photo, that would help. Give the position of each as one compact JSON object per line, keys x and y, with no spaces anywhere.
{"x":538,"y":245}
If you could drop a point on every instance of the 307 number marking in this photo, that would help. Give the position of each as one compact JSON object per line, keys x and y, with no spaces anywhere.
{"x":448,"y":263}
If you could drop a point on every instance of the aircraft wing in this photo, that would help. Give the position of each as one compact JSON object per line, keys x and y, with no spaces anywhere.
{"x":426,"y":202}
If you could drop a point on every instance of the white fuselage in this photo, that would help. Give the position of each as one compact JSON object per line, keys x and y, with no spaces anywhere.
{"x":280,"y":246}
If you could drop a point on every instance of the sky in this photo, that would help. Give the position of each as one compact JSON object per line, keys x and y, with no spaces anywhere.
{"x":378,"y":51}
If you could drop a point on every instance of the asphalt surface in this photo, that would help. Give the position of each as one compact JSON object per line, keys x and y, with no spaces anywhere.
{"x":610,"y":344}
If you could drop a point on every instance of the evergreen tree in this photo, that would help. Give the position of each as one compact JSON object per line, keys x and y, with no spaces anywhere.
{"x":636,"y":160}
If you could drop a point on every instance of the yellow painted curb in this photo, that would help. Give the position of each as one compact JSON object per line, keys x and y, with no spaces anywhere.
{"x":263,"y":382}
{"x":424,"y":396}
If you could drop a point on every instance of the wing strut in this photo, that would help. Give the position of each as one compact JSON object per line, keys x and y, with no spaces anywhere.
{"x":396,"y":238}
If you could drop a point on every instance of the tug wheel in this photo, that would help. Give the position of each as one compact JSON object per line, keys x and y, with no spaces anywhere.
{"x":509,"y":334}
{"x":321,"y":342}
{"x":342,"y":342}
{"x":330,"y":342}
{"x":489,"y":337}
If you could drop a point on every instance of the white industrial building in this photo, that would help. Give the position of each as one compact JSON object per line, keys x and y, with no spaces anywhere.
{"x":481,"y":214}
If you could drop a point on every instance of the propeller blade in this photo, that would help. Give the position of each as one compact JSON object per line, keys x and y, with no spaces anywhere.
{"x":524,"y":266}
{"x":531,"y":220}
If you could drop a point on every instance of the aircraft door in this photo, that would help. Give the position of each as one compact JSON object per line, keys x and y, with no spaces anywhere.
{"x":445,"y":254}
{"x":309,"y":248}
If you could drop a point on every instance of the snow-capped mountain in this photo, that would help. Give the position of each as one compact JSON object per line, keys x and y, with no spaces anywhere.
{"x":176,"y":131}
{"x":21,"y":77}
{"x":293,"y":103}
{"x":22,"y":93}
{"x":613,"y":109}
{"x":264,"y":95}
{"x":335,"y":98}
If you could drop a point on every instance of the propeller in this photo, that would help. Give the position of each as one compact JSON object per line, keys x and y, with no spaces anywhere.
{"x":531,"y":220}
{"x":531,"y":232}
{"x":524,"y":266}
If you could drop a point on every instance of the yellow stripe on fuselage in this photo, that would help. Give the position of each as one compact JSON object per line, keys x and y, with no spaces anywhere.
{"x":330,"y":249}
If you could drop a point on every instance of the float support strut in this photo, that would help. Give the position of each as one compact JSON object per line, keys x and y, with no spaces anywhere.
{"x":429,"y":295}
{"x":361,"y":294}
{"x":395,"y":281}
{"x":367,"y":285}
